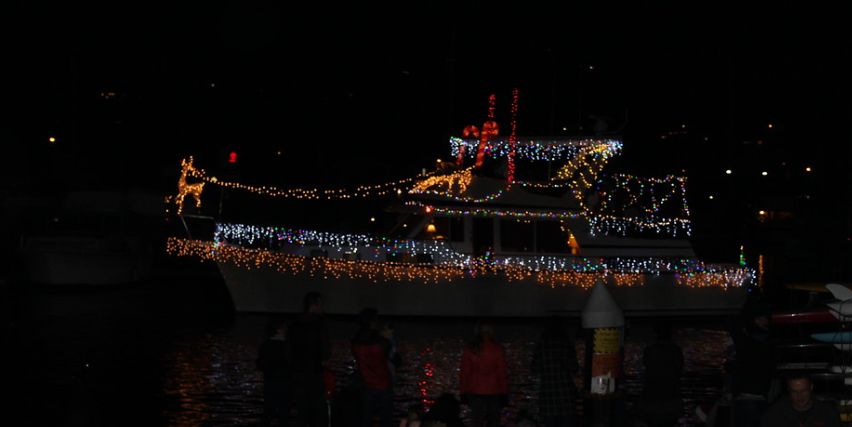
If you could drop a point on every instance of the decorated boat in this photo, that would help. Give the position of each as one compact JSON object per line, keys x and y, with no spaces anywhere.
{"x":508,"y":226}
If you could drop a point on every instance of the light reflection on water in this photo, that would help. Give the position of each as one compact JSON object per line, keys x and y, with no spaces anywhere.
{"x":210,"y":377}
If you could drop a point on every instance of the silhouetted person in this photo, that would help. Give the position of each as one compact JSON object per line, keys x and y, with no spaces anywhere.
{"x":311,"y":349}
{"x":660,"y":403}
{"x":372,"y":351}
{"x":555,"y":362}
{"x":444,"y":412}
{"x":754,"y":366}
{"x":483,"y":377}
{"x":273,"y":359}
{"x":798,"y":409}
{"x":394,"y":358}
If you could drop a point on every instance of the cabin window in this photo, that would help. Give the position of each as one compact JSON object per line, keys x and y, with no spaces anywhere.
{"x":444,"y":228}
{"x":483,"y":235}
{"x":441,"y":229}
{"x":517,"y":235}
{"x":552,"y":238}
{"x":457,"y":229}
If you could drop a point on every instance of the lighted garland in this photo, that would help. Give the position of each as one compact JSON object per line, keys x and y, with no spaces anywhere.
{"x":361,"y":191}
{"x":513,"y":138}
{"x":451,"y":186}
{"x":616,"y":225}
{"x":599,"y":224}
{"x":489,"y":128}
{"x":544,"y":185}
{"x":496,"y":213}
{"x":443,"y":253}
{"x":646,"y":193}
{"x":582,"y":171}
{"x":459,"y":181}
{"x":448,"y":195}
{"x":332,"y":268}
{"x":720,"y":278}
{"x":535,"y":149}
{"x":327,"y":268}
{"x":266,"y":237}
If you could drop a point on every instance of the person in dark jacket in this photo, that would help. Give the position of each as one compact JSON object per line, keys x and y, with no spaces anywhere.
{"x":754,"y":366}
{"x":372,"y":352}
{"x":555,"y":362}
{"x":483,"y":379}
{"x":660,"y":403}
{"x":798,"y":409}
{"x":273,"y":359}
{"x":311,"y":349}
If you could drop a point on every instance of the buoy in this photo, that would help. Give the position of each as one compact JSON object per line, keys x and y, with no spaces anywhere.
{"x":604,"y":355}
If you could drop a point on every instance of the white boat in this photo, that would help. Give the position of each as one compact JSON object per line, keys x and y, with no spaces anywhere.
{"x":93,"y":238}
{"x":471,"y":242}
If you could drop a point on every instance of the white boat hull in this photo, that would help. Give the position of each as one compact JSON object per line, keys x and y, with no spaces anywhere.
{"x":264,"y":289}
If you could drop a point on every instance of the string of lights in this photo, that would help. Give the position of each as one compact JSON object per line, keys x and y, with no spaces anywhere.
{"x":442,"y":252}
{"x":489,"y":128}
{"x":581,"y":171}
{"x":533,"y":149}
{"x":385,"y":271}
{"x":646,"y":193}
{"x":361,"y":191}
{"x":252,"y":235}
{"x":495,"y":212}
{"x":616,"y":225}
{"x":600,"y":224}
{"x":457,"y":180}
{"x":513,"y":137}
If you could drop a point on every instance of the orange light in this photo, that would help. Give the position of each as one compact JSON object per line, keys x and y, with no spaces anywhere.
{"x":431,"y":228}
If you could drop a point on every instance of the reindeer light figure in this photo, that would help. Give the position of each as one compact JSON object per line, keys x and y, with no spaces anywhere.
{"x":185,"y":188}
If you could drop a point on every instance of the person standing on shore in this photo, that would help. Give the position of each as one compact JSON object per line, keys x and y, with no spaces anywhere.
{"x":555,"y":362}
{"x":273,"y":359}
{"x":371,"y":351}
{"x":483,"y":379}
{"x":660,"y":403}
{"x":311,"y":350}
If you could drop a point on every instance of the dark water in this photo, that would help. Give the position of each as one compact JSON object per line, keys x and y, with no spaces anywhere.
{"x":169,"y":353}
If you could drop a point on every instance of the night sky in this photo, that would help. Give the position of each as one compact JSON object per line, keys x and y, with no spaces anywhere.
{"x":367,"y":93}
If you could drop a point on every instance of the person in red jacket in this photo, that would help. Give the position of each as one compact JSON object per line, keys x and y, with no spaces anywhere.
{"x":483,"y":377}
{"x":371,"y":351}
